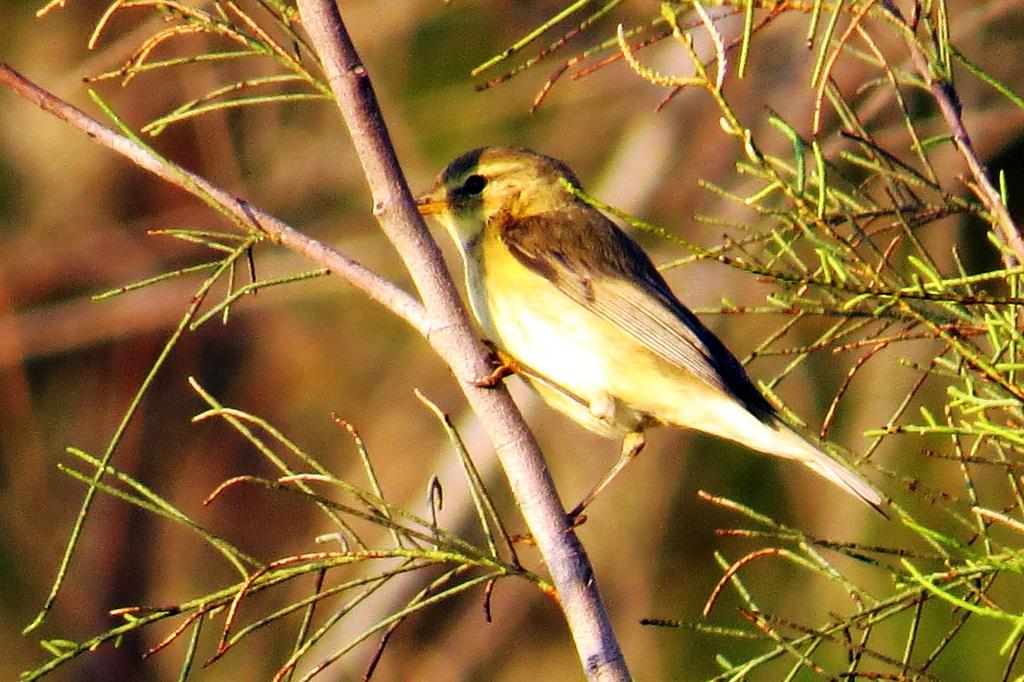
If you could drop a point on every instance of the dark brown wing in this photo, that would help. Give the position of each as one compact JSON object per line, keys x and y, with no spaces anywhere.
{"x":594,"y":263}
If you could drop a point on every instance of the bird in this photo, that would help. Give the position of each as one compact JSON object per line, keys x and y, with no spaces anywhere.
{"x":571,"y":303}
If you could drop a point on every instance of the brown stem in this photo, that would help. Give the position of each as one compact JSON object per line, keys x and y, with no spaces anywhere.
{"x":949,"y":105}
{"x":454,"y":341}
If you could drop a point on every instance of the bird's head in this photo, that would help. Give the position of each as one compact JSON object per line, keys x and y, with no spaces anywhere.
{"x":495,"y":182}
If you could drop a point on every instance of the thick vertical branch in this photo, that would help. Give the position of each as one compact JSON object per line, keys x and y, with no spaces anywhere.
{"x":452,"y":337}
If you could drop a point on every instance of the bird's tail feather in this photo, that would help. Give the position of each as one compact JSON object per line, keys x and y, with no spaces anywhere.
{"x":788,"y":443}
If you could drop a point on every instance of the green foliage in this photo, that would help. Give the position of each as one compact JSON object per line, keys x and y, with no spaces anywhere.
{"x":417,"y":545}
{"x":843,"y":234}
{"x":266,"y":34}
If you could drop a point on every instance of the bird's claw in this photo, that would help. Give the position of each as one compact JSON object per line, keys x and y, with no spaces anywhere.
{"x":503,"y":365}
{"x":576,"y":517}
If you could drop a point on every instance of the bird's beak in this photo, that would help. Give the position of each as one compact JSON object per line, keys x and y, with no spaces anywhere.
{"x":428,"y":204}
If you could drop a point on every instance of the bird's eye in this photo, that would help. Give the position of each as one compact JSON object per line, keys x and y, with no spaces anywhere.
{"x":474,"y":184}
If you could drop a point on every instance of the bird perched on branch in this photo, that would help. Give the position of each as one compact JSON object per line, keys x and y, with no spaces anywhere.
{"x":575,"y":306}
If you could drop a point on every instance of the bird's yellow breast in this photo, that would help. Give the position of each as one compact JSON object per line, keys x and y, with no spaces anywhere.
{"x":576,"y":358}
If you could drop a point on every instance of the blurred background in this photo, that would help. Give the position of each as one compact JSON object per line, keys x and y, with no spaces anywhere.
{"x":73,"y":223}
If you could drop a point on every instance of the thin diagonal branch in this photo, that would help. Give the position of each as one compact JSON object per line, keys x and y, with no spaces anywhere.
{"x":376,"y":287}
